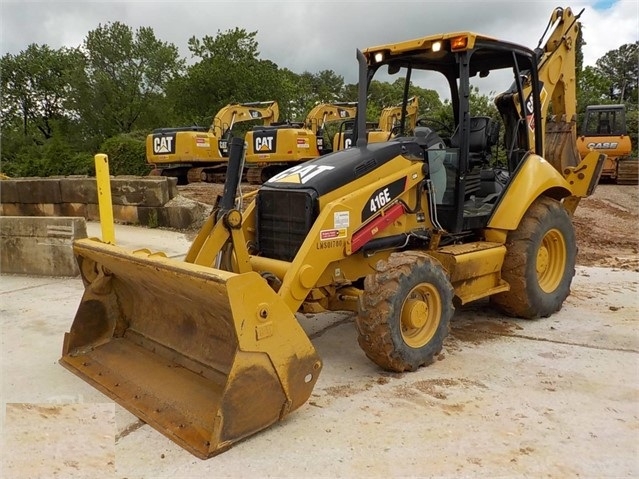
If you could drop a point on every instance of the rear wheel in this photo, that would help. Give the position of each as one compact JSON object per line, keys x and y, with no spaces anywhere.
{"x":539,"y":263}
{"x":407,"y":308}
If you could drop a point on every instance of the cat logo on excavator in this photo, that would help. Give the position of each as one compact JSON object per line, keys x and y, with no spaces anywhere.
{"x":164,"y":144}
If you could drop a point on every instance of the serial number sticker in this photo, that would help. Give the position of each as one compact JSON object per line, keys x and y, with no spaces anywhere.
{"x":330,"y":244}
{"x":326,"y":235}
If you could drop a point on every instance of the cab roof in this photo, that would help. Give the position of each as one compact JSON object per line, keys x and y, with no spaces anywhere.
{"x":490,"y":53}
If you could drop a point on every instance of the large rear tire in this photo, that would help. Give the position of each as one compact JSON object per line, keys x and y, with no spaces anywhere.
{"x":407,"y":307}
{"x":539,"y":263}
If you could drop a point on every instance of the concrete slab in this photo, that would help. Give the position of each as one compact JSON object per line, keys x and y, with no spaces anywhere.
{"x":558,"y":397}
{"x":86,"y":449}
{"x":39,"y":246}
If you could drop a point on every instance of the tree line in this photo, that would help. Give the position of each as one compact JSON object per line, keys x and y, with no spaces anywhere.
{"x":61,"y":106}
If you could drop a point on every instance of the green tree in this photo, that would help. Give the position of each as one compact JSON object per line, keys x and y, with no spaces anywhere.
{"x":229,"y":70}
{"x":39,"y":128}
{"x":123,"y":79}
{"x":593,"y":88}
{"x":312,"y":88}
{"x":36,"y":87}
{"x":621,"y":68}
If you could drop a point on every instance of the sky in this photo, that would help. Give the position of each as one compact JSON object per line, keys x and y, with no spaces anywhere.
{"x":314,"y":35}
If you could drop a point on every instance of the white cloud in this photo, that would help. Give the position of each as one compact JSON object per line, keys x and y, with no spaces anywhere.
{"x":312,"y":35}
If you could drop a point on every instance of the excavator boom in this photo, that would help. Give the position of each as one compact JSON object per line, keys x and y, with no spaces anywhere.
{"x":391,"y":116}
{"x":388,"y":126}
{"x":329,"y":112}
{"x":265,"y":111}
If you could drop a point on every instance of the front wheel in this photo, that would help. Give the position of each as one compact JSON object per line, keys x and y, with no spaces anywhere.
{"x":408,"y":304}
{"x":539,"y":263}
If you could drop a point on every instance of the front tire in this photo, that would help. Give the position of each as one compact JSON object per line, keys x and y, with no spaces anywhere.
{"x":407,"y":307}
{"x":539,"y":263}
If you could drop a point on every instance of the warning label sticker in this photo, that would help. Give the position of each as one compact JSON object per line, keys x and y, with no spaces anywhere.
{"x":326,"y":235}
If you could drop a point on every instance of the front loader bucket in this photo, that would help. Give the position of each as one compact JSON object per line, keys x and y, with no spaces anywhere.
{"x":204,"y":356}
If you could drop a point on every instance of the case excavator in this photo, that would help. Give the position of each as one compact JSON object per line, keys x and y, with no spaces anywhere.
{"x":272,"y":149}
{"x":208,"y":350}
{"x":194,"y":154}
{"x":604,"y":129}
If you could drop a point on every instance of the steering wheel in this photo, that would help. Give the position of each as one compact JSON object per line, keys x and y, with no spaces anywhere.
{"x":439,"y":126}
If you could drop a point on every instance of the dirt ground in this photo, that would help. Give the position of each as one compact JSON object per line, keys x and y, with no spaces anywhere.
{"x":607,"y":227}
{"x":606,"y":224}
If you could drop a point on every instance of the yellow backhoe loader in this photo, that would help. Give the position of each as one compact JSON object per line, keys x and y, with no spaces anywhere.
{"x":209,"y":351}
{"x":387,"y":126}
{"x":604,"y":129}
{"x":272,"y":149}
{"x":194,"y":154}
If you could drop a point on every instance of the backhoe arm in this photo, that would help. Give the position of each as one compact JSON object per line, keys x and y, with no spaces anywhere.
{"x":556,"y":74}
{"x":557,"y":64}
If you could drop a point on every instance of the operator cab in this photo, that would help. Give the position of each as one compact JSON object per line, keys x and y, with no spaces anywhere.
{"x":483,"y":143}
{"x":605,"y":120}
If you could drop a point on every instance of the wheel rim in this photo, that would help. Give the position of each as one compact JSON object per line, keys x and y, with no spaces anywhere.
{"x":551,"y":260}
{"x":420,"y":316}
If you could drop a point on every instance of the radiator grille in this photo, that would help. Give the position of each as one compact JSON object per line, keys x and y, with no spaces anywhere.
{"x":284,"y":218}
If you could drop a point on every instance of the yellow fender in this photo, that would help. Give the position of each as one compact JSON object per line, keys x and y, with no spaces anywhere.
{"x":533,"y":178}
{"x":536,"y":177}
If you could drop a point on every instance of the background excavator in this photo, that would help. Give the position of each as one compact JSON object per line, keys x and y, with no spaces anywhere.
{"x":389,"y":120}
{"x":209,"y":351}
{"x":604,"y":129}
{"x":272,"y":149}
{"x":194,"y":154}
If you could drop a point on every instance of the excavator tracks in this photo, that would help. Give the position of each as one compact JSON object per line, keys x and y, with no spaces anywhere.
{"x":628,"y":171}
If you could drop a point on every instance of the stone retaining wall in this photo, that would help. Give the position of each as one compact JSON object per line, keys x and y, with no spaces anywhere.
{"x":148,"y":201}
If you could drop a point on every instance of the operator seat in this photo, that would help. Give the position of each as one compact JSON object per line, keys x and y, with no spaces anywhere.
{"x":604,"y":127}
{"x":484,"y":133}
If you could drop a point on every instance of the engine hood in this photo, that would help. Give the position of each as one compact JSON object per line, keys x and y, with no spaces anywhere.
{"x":332,"y":171}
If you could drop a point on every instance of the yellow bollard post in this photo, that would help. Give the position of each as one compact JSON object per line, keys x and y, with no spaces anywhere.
{"x":104,"y":198}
